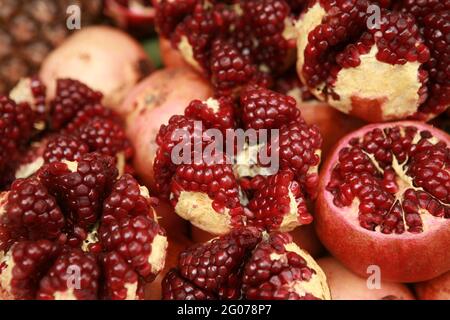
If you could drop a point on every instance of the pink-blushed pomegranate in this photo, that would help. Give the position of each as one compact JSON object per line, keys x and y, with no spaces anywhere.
{"x":376,"y":62}
{"x":384,"y":201}
{"x":435,"y":289}
{"x":246,"y":264}
{"x":224,"y":179}
{"x":104,"y":58}
{"x":233,"y":43}
{"x":134,"y":16}
{"x":345,"y":285}
{"x":171,"y":57}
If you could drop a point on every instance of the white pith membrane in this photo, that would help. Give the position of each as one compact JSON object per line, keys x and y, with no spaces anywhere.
{"x":291,"y":220}
{"x":157,"y":256}
{"x":316,"y":286}
{"x":395,"y":87}
{"x":71,"y":165}
{"x":28,"y":169}
{"x":197,"y":207}
{"x":22,"y":93}
{"x":403,"y":182}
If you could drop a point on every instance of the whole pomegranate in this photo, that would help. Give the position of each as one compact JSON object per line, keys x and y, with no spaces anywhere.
{"x":225,"y":164}
{"x":435,"y":289}
{"x":233,"y":43}
{"x":73,"y":223}
{"x":104,"y":58}
{"x":345,"y":285}
{"x":384,"y":201}
{"x":246,"y":264}
{"x":375,"y":60}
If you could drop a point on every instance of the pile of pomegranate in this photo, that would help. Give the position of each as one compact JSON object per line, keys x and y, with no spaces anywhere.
{"x":252,"y":148}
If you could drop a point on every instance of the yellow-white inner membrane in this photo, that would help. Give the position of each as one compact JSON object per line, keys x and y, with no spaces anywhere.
{"x":317,"y":285}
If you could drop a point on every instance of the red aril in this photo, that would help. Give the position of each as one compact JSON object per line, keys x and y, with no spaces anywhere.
{"x":384,"y":201}
{"x":151,"y":103}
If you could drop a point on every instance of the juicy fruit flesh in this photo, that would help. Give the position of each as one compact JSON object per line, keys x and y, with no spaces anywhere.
{"x":396,"y":179}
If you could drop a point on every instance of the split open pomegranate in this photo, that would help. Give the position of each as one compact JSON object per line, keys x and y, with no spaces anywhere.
{"x":384,"y":201}
{"x":73,"y":223}
{"x":231,"y":42}
{"x":249,"y":265}
{"x":376,"y":61}
{"x":225,"y":165}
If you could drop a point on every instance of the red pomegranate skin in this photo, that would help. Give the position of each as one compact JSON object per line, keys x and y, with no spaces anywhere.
{"x":333,"y":124}
{"x":171,"y":58}
{"x":402,"y":258}
{"x":345,"y":285}
{"x":151,"y":103}
{"x":435,"y":289}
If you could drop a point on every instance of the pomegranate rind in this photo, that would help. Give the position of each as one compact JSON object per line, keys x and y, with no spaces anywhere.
{"x":406,"y":257}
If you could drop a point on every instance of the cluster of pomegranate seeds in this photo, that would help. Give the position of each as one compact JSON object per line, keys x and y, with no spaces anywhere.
{"x":245,"y":264}
{"x":337,"y":35}
{"x":436,"y":30}
{"x":205,"y":176}
{"x":233,"y":42}
{"x":63,"y":147}
{"x":265,"y":109}
{"x":30,"y":212}
{"x":109,"y":238}
{"x":71,"y":96}
{"x":73,"y":123}
{"x":214,"y":113}
{"x":277,"y":199}
{"x":59,"y":282}
{"x":394,"y":175}
{"x":70,"y":228}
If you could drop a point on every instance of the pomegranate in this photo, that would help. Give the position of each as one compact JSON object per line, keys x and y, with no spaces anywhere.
{"x":249,"y":265}
{"x":384,"y":201}
{"x":151,"y":103}
{"x":171,"y":58}
{"x":345,"y":285}
{"x":235,"y":185}
{"x":305,"y":237}
{"x":376,"y":62}
{"x":177,"y":244}
{"x":231,"y":43}
{"x":73,"y":122}
{"x":435,"y":289}
{"x":73,"y":223}
{"x":134,"y":16}
{"x":104,"y":58}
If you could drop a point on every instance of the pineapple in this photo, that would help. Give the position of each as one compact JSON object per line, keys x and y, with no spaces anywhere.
{"x":30,"y":29}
